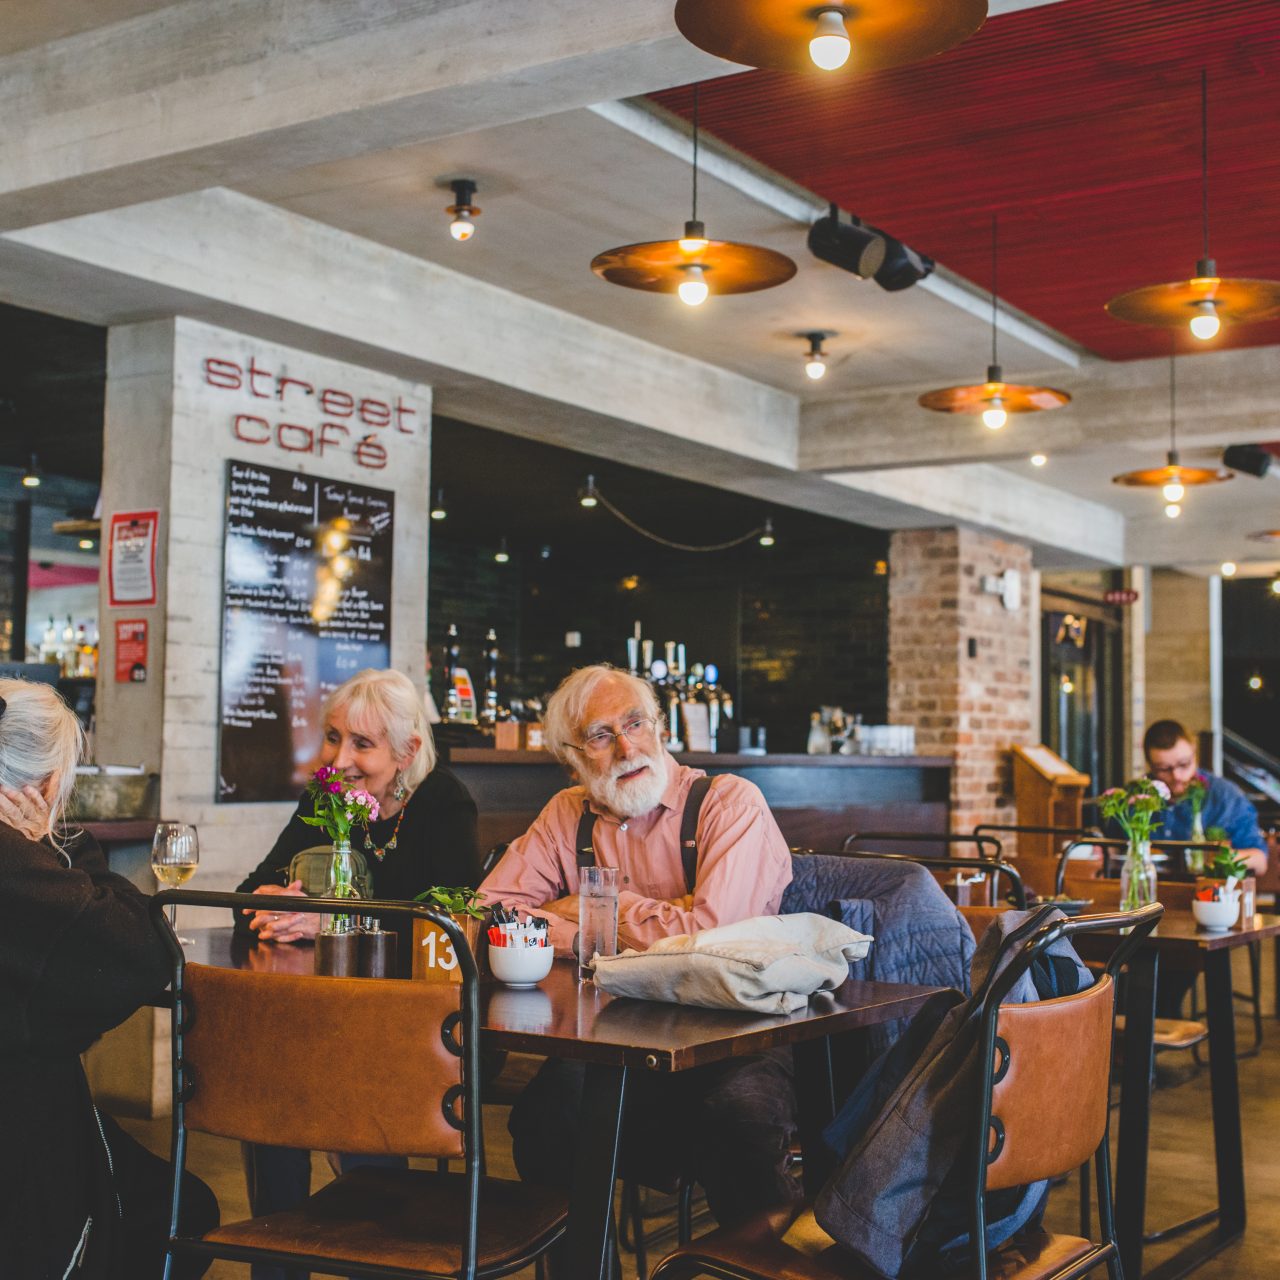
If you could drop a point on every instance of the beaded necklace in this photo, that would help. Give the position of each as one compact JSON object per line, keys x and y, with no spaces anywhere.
{"x":391,"y":844}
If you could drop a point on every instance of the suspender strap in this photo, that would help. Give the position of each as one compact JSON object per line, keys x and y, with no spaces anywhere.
{"x":689,"y":829}
{"x":583,"y":844}
{"x":585,"y":848}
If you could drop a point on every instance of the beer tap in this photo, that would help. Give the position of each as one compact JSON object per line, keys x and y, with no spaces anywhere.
{"x":489,"y":711}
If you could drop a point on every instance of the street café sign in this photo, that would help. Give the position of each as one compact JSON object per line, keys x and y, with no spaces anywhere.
{"x":299,"y":417}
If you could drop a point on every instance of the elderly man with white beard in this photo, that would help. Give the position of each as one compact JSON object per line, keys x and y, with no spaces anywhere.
{"x":730,"y":1123}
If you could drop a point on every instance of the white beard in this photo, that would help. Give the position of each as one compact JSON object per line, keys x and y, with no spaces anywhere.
{"x":631,"y":799}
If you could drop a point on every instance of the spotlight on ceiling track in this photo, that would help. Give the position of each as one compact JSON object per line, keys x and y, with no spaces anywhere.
{"x":902,"y":266}
{"x":1252,"y":459}
{"x":852,"y":246}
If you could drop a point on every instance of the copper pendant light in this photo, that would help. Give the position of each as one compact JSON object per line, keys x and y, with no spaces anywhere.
{"x":799,"y":35}
{"x":1173,"y":478}
{"x":694,"y":266}
{"x":1205,"y":301}
{"x":995,"y":398}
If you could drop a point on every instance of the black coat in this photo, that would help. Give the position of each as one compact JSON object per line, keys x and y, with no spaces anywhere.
{"x":77,"y":956}
{"x":436,"y":844}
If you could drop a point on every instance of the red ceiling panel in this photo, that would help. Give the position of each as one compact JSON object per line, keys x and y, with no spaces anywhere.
{"x":1078,"y":123}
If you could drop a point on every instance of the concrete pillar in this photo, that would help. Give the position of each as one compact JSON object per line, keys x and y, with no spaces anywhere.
{"x":171,"y":426}
{"x":1138,"y":579}
{"x":960,"y":665}
{"x":1180,"y":649}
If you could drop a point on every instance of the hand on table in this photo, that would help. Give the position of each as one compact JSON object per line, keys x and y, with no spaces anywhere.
{"x":26,"y":811}
{"x":283,"y":926}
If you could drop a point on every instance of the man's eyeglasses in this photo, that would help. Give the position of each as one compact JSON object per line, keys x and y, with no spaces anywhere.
{"x":601,"y":742}
{"x":1178,"y":766}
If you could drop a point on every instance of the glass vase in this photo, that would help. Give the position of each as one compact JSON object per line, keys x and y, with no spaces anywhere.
{"x":1195,"y":857}
{"x":338,"y":942}
{"x":1137,"y":877}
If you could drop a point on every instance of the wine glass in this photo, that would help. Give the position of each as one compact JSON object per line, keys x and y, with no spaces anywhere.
{"x":175,"y":854}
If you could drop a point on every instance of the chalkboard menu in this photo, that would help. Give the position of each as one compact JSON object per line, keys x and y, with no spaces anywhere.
{"x":306,"y":592}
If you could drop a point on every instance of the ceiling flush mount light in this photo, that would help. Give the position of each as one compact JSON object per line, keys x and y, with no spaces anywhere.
{"x":995,"y":399}
{"x":31,"y":476}
{"x":1173,"y":479}
{"x":1205,"y":301}
{"x":502,"y":555}
{"x":464,"y":209}
{"x":815,"y":360}
{"x":693,"y":266}
{"x":799,"y":35}
{"x":438,"y":510}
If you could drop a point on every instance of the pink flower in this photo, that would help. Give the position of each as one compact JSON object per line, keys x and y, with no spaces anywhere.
{"x":323,"y":772}
{"x":1161,"y":789}
{"x":334,"y":788}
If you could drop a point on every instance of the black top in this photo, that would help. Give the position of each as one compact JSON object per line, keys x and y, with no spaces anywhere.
{"x":437,"y":845}
{"x":77,"y":956}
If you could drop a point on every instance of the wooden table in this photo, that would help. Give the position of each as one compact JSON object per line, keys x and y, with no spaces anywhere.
{"x":1179,"y":943}
{"x":614,"y":1036}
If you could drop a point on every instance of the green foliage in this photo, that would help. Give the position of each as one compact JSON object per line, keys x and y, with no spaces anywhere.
{"x":459,"y":901}
{"x":1229,"y":865}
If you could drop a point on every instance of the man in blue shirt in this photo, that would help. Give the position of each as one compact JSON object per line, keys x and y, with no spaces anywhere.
{"x":1171,"y":759}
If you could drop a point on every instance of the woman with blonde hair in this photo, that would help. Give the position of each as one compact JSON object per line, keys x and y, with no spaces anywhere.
{"x":78,"y":955}
{"x":376,"y":732}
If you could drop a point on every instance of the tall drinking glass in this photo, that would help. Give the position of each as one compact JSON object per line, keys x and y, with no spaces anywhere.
{"x":175,"y":855}
{"x":597,"y":916}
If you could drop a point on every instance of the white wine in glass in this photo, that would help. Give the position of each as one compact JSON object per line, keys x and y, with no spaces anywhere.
{"x":175,"y":855}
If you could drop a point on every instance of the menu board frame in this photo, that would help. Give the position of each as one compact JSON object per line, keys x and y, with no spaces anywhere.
{"x":307,"y":580}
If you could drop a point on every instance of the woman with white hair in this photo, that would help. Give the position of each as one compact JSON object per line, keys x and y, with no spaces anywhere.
{"x":376,"y":732}
{"x":78,"y":955}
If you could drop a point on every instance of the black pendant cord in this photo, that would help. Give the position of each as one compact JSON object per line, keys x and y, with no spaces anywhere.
{"x":995,"y":359}
{"x":1204,"y":158}
{"x":1173,"y":401}
{"x":695,"y":153}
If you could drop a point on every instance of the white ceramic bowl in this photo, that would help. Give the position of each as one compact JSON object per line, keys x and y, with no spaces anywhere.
{"x":1217,"y":916}
{"x":521,"y":967}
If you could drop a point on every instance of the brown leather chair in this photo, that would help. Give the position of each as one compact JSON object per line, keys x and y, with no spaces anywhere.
{"x":377,"y":1067}
{"x":1027,"y":1128}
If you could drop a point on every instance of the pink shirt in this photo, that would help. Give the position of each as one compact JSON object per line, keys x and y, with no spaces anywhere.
{"x":743,"y":862}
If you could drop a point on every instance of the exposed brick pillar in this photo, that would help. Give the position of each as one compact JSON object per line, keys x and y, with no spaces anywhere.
{"x":973,"y":708}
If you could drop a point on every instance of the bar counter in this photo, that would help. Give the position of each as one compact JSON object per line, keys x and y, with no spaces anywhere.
{"x":817,"y":800}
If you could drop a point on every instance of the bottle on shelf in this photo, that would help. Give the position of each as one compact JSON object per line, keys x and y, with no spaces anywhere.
{"x":489,"y":708}
{"x":452,"y":706}
{"x":819,"y":743}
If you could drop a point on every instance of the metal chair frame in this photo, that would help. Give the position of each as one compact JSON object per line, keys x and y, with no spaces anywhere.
{"x":468,"y":1051}
{"x":993,"y":866}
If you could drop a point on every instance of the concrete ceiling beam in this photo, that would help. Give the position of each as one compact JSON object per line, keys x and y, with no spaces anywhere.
{"x":199,"y":95}
{"x":1224,"y":397}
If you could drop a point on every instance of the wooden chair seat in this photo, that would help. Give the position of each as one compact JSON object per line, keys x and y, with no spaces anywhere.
{"x":408,"y":1218}
{"x":1172,"y":1033}
{"x":778,"y":1245}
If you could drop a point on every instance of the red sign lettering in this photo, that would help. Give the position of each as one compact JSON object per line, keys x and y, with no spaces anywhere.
{"x":242,"y":423}
{"x":371,"y":454}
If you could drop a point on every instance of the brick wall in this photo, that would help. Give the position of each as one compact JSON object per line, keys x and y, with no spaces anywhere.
{"x":970,"y":707}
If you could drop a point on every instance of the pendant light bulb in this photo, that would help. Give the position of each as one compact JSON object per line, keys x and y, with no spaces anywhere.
{"x":815,"y":360}
{"x":815,"y":366}
{"x":830,"y":48}
{"x":587,"y":496}
{"x":766,"y":534}
{"x":31,"y":476}
{"x":502,"y":555}
{"x":1174,"y":491}
{"x":438,"y":511}
{"x":994,"y":416}
{"x":1228,"y":568}
{"x":462,"y":228}
{"x":693,"y":288}
{"x":1205,"y":323}
{"x":1038,"y":459}
{"x":1173,"y":511}
{"x":464,"y":212}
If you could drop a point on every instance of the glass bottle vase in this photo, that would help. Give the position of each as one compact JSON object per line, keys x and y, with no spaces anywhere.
{"x":1137,"y":876}
{"x":338,"y":942}
{"x":341,"y":883}
{"x":1195,"y":857}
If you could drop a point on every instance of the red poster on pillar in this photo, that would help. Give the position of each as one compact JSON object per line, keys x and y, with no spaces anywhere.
{"x":131,"y":559}
{"x":131,"y":651}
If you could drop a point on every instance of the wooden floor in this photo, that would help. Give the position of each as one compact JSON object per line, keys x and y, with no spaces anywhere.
{"x":1181,"y":1182}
